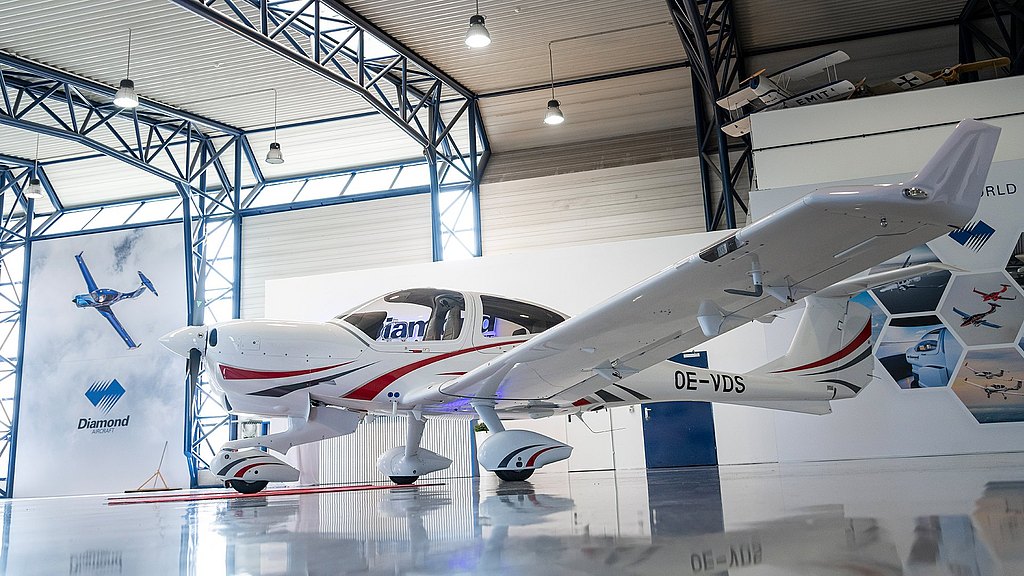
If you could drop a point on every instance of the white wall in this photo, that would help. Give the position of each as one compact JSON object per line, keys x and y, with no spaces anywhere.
{"x":343,"y":237}
{"x":620,"y":203}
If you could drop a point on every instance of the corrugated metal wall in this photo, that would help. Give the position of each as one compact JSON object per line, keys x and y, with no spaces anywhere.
{"x":620,"y":203}
{"x":355,"y":236}
{"x":353,"y":458}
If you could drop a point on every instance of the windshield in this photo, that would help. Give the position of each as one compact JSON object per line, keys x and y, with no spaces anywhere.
{"x":421,"y":314}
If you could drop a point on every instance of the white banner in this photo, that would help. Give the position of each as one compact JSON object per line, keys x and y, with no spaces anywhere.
{"x":100,"y":397}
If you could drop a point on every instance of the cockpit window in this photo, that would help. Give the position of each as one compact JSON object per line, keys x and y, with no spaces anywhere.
{"x":422,"y":314}
{"x":504,"y":317}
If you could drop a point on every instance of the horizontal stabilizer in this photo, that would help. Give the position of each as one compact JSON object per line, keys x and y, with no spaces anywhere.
{"x":855,"y":285}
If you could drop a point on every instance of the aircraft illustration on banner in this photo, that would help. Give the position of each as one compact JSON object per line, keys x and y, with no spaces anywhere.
{"x":905,"y":284}
{"x":986,"y":374}
{"x":1003,"y":389}
{"x":996,"y":295}
{"x":101,"y":299}
{"x":430,"y":353}
{"x":979,"y":318}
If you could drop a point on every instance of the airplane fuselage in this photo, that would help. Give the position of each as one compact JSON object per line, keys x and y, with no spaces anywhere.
{"x":101,"y":297}
{"x":277,"y":368}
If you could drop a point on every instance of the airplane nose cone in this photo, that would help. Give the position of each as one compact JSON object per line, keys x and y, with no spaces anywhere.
{"x":183,"y":340}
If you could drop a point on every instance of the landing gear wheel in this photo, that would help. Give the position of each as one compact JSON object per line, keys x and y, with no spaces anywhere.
{"x":404,"y":480}
{"x":513,"y":475}
{"x":247,"y":487}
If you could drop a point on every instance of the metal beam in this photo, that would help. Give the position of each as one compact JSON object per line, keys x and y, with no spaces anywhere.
{"x":709,"y":37}
{"x":1008,"y":18}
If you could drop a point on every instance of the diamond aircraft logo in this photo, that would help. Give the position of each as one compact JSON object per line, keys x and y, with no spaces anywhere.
{"x":973,"y":236}
{"x":104,"y":394}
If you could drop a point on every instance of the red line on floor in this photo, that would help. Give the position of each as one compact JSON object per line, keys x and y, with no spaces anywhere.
{"x":223,"y":495}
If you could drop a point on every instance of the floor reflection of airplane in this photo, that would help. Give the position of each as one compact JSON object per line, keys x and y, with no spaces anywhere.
{"x":979,"y":318}
{"x":1003,"y":389}
{"x":995,"y":296}
{"x":425,"y":353}
{"x":101,"y":299}
{"x":986,"y":374}
{"x":917,"y":79}
{"x":773,"y":92}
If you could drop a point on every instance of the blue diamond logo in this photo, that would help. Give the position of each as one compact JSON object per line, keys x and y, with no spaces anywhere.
{"x":104,"y":394}
{"x":974,"y":236}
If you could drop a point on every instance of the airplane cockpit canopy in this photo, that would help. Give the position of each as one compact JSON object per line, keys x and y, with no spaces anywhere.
{"x":430,"y":314}
{"x":411,"y":315}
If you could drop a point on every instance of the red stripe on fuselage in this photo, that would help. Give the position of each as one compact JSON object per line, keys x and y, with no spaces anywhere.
{"x":234,"y":373}
{"x":370,"y":390}
{"x":860,"y":339}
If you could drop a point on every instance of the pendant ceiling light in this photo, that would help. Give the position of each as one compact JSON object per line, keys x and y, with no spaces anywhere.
{"x":554,"y":113}
{"x":477,"y":36}
{"x":274,"y":155}
{"x":34,"y":190}
{"x":126,"y":97}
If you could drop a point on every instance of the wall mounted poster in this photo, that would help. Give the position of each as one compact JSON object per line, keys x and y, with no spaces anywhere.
{"x":100,"y":397}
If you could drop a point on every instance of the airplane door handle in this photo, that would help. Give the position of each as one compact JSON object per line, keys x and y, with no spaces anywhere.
{"x":647,"y":414}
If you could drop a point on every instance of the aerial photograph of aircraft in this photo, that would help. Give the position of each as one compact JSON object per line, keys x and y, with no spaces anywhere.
{"x":996,"y":295}
{"x":986,"y":374}
{"x":1002,"y":389}
{"x":773,"y":92}
{"x":979,"y":318}
{"x":101,"y":299}
{"x":425,"y":353}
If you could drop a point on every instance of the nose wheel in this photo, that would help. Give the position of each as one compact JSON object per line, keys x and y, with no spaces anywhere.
{"x":247,"y":487}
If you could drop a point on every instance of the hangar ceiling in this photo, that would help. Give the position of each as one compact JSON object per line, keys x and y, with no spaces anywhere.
{"x":620,"y":69}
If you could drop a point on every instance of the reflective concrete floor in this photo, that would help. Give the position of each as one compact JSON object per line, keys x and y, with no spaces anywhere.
{"x":955,"y":516}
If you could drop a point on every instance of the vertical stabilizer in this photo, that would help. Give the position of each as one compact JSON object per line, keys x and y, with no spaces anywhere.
{"x":832,"y":346}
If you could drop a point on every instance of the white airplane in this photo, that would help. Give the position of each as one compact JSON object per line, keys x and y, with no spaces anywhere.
{"x":425,"y":353}
{"x":1002,"y":389}
{"x":986,"y":374}
{"x":774,"y":92}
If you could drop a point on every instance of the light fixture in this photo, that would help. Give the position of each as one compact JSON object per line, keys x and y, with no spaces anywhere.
{"x":126,"y":97}
{"x":34,"y":190}
{"x":274,"y":155}
{"x":477,"y":36}
{"x":554,"y":114}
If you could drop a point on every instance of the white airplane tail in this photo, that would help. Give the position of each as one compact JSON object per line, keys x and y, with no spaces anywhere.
{"x":832,"y":347}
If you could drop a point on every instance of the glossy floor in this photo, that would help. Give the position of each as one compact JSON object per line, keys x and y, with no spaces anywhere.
{"x":955,"y":516}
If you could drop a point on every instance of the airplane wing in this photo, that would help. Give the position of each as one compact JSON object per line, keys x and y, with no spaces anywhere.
{"x":809,"y":68}
{"x":89,"y":282}
{"x":811,"y":244}
{"x":107,"y":313}
{"x":989,"y":324}
{"x":962,"y":314}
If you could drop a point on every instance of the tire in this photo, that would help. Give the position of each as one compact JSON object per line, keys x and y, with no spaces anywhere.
{"x":513,"y":475}
{"x":404,"y":480}
{"x":247,"y":487}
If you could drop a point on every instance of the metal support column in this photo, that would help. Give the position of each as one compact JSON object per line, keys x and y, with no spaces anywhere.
{"x":709,"y":37}
{"x":977,"y":20}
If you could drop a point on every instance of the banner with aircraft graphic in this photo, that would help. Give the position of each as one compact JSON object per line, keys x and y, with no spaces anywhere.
{"x":100,"y":398}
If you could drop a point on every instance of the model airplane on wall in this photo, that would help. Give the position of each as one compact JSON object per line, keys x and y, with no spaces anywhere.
{"x":101,"y":299}
{"x":425,"y":353}
{"x":773,"y":92}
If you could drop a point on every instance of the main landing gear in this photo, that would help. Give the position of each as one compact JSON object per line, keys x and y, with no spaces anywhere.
{"x":405,"y":464}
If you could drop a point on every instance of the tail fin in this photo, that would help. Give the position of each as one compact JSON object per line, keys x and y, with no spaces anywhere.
{"x":959,"y":167}
{"x":832,"y":346}
{"x":146,"y":282}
